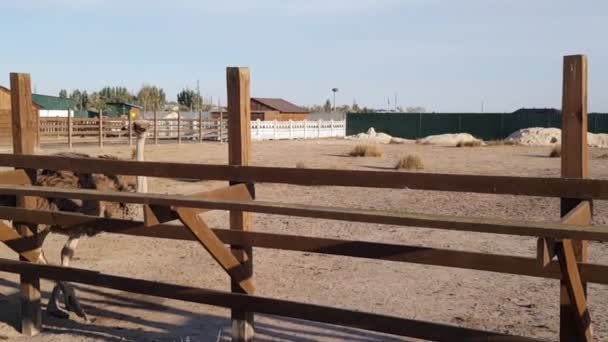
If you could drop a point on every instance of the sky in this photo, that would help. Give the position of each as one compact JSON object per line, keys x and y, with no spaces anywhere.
{"x":444,"y":55}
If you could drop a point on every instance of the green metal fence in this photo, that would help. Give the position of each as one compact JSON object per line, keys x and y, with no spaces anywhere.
{"x":487,"y":126}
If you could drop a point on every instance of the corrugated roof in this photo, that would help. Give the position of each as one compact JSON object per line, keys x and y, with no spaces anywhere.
{"x":280,"y":105}
{"x":52,"y":102}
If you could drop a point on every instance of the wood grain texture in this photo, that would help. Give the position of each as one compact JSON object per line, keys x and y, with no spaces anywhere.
{"x":239,"y":154}
{"x":485,"y":225}
{"x":525,"y":186}
{"x":362,"y":249}
{"x":575,"y":164}
{"x":25,"y":137}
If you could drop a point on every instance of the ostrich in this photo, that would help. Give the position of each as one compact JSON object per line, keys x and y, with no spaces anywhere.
{"x":71,"y":179}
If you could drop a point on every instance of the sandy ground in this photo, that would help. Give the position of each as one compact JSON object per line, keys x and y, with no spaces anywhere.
{"x":506,"y":303}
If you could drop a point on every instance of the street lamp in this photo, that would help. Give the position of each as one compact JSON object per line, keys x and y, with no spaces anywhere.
{"x":334,"y":90}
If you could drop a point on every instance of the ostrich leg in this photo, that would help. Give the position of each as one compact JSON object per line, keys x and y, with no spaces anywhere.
{"x":69,"y":294}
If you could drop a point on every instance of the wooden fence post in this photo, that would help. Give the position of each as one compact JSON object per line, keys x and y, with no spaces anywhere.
{"x":100,"y":128}
{"x":24,"y":129}
{"x":221,"y":130}
{"x":200,"y":127}
{"x":70,"y":114}
{"x":179,"y":127}
{"x":575,"y":163}
{"x":239,"y":153}
{"x":155,"y":128}
{"x":129,"y":120}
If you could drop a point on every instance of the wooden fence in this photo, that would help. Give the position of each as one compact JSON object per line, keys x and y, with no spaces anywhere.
{"x":561,"y":253}
{"x":111,"y":130}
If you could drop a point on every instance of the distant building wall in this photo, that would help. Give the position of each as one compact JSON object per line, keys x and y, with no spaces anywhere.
{"x":488,"y":126}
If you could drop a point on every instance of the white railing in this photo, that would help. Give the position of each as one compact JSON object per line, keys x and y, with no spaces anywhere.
{"x":305,"y":129}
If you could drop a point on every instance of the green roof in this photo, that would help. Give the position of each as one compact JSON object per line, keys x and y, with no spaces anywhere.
{"x":118,"y":108}
{"x":52,"y":102}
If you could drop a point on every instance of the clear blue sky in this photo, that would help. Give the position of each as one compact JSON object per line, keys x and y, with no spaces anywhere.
{"x":445,"y":55}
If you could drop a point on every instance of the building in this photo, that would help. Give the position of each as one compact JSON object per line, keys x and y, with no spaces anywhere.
{"x":269,"y":109}
{"x":6,"y":116}
{"x":119,"y":109}
{"x":276,"y":109}
{"x":53,"y":106}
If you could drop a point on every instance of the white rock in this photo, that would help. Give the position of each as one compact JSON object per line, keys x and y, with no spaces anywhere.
{"x":450,"y":139}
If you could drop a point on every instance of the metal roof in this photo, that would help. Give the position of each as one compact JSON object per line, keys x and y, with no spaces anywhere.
{"x":52,"y":102}
{"x":280,"y":105}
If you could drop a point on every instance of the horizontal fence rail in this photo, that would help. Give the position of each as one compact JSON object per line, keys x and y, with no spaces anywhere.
{"x":505,"y":185}
{"x":516,"y":265}
{"x":482,"y":225}
{"x":271,"y":306}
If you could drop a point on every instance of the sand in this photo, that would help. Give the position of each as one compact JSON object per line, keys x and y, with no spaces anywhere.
{"x":500,"y":302}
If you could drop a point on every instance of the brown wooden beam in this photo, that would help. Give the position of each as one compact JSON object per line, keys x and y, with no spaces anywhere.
{"x":238,"y":83}
{"x":25,"y":136}
{"x":509,"y":185}
{"x":575,"y":164}
{"x":471,"y":224}
{"x":271,"y":306}
{"x":372,"y":250}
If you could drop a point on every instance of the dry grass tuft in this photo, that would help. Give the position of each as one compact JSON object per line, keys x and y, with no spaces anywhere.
{"x":366,"y":151}
{"x":410,"y":162}
{"x":471,"y":143}
{"x":556,"y":152}
{"x":301,"y":165}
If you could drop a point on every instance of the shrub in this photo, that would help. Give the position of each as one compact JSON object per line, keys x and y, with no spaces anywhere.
{"x":470,"y":143}
{"x":366,"y":151}
{"x":301,"y":165}
{"x":602,"y":156}
{"x":556,"y":152}
{"x":410,"y":162}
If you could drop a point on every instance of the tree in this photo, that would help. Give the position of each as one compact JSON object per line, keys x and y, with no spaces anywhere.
{"x":327,"y":107}
{"x":355,"y":107}
{"x":151,"y":97}
{"x":116,"y":94}
{"x":189,"y":99}
{"x":63,"y":94}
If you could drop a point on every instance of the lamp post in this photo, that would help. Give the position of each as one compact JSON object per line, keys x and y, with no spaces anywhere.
{"x":334,"y":90}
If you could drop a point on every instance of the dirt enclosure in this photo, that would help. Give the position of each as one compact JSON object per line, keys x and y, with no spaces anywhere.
{"x":506,"y":303}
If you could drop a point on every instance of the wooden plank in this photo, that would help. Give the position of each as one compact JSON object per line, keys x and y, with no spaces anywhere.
{"x":27,"y":247}
{"x":17,"y":177}
{"x":155,"y":128}
{"x":239,"y":153}
{"x":270,"y":306}
{"x":216,"y":248}
{"x":70,"y":129}
{"x":100,"y":124}
{"x":524,"y":186}
{"x":577,"y":298}
{"x":372,"y":250}
{"x":471,"y":224}
{"x":25,"y":136}
{"x":578,"y":216}
{"x":575,"y":164}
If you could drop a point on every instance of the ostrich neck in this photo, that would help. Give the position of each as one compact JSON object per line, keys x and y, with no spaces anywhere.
{"x":142,"y":182}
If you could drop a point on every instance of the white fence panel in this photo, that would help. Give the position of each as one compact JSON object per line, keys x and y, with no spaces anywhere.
{"x":285,"y":130}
